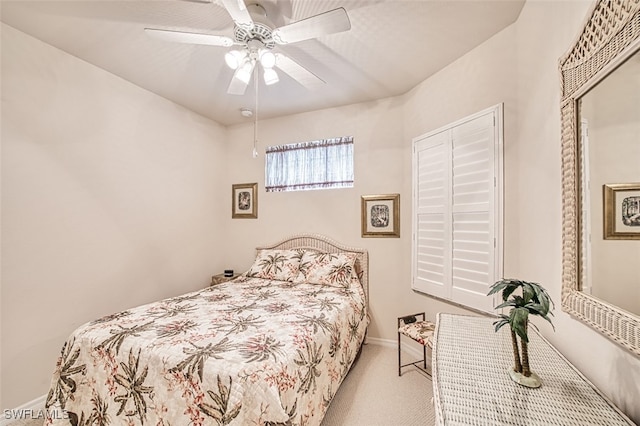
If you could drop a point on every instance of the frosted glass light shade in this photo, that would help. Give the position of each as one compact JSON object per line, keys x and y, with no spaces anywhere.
{"x":234,"y":58}
{"x":270,"y":76}
{"x":244,"y":72}
{"x":267,"y":59}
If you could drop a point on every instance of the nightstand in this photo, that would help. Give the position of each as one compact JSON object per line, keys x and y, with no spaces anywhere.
{"x":220,"y":278}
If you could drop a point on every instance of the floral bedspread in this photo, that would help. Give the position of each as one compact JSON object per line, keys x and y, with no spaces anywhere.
{"x":247,"y":352}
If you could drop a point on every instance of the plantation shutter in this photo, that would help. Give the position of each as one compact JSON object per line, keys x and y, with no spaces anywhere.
{"x":457,"y":211}
{"x":431,"y":212}
{"x":472,"y":212}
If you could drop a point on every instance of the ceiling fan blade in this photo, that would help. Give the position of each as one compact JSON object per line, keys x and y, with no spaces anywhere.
{"x":237,"y":85}
{"x":333,"y":21}
{"x":298,"y":72}
{"x":239,"y":13}
{"x":192,"y":38}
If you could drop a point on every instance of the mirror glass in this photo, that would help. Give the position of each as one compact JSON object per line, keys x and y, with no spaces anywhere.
{"x":609,"y":150}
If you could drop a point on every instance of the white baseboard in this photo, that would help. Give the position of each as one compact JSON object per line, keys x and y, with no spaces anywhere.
{"x":31,"y":410}
{"x":382,"y":342}
{"x":407,"y":346}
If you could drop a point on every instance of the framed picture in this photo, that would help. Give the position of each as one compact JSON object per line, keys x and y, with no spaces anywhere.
{"x":381,"y":215}
{"x":244,"y":201}
{"x":621,"y":211}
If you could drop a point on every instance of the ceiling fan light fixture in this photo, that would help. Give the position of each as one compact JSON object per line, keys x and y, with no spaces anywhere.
{"x":244,"y":72}
{"x":234,"y":58}
{"x":270,"y":76}
{"x":267,"y":59}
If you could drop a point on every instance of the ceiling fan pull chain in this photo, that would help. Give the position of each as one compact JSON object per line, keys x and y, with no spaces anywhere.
{"x":255,"y":122}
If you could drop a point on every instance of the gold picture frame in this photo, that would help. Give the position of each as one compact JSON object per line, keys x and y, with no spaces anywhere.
{"x":381,"y":216}
{"x":244,"y":201}
{"x":621,"y":211}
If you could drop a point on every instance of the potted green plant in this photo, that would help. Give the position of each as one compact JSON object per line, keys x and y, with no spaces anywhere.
{"x":533,"y":300}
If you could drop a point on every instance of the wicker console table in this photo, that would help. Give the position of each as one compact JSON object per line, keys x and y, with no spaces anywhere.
{"x":471,"y":385}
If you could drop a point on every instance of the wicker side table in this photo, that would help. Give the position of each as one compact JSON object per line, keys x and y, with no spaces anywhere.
{"x":471,"y":385}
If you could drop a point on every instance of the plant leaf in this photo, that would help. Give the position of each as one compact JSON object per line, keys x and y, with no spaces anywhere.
{"x":518,"y":320}
{"x":534,"y":300}
{"x":507,"y":286}
{"x":496,"y":287}
{"x":549,"y":321}
{"x":507,"y":303}
{"x":501,"y":322}
{"x":528,"y":292}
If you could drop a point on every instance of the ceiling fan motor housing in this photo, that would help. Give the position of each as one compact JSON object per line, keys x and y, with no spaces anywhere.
{"x":262,"y":28}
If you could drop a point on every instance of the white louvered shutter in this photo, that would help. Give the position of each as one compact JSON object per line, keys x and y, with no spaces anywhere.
{"x":472,"y":212}
{"x":432,"y":199}
{"x":457,"y":210}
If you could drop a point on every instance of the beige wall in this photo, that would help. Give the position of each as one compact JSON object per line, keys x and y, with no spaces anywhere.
{"x":381,"y":167}
{"x":545,"y":32}
{"x":111,"y":198}
{"x":517,"y":67}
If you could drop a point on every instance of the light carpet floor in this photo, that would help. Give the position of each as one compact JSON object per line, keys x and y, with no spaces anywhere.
{"x":372,"y":394}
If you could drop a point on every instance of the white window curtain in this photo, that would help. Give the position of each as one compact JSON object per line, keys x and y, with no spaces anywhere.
{"x":326,"y":163}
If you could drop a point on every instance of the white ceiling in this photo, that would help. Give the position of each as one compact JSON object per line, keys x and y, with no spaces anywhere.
{"x":392,"y":46}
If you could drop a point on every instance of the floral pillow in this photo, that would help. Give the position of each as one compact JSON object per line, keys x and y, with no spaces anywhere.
{"x":335,"y":269}
{"x":281,"y":265}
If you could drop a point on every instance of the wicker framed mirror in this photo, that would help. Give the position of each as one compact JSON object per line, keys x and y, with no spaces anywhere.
{"x":610,"y":36}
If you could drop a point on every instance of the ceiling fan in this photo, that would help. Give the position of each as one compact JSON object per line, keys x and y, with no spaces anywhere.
{"x":256,"y":38}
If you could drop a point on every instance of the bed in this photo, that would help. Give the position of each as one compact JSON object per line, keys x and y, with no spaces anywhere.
{"x":270,"y":347}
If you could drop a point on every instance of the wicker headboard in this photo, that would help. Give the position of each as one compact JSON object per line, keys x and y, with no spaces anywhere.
{"x":326,"y":245}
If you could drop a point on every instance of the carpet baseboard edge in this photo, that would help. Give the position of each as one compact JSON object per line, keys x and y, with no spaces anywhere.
{"x":413,"y":350}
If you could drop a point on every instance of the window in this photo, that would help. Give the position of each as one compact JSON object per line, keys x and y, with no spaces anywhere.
{"x":326,"y":163}
{"x":457,"y":203}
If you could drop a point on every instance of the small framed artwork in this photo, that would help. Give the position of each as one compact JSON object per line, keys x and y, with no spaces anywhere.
{"x":381,"y":215}
{"x":244,"y":201}
{"x":621,"y":211}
